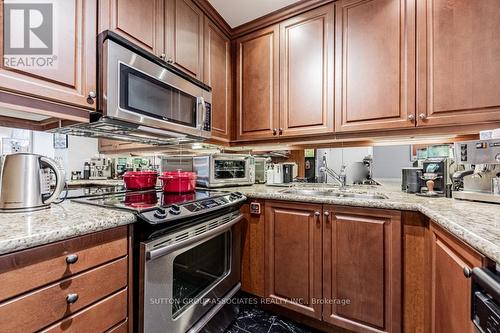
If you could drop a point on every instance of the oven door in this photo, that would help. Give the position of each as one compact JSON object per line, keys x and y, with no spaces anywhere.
{"x":142,"y":92}
{"x":186,"y":273}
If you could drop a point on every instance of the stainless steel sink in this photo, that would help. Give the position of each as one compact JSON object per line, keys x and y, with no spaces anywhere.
{"x":336,"y":194}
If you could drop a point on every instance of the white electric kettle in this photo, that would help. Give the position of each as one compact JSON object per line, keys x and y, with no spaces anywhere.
{"x":25,"y":182}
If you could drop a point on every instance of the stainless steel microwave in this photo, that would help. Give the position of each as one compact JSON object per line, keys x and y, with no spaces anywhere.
{"x":142,"y":98}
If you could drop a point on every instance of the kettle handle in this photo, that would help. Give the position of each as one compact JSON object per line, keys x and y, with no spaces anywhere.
{"x":60,"y":178}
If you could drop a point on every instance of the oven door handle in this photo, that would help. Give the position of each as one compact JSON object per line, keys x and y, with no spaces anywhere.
{"x":161,"y":251}
{"x":201,"y":102}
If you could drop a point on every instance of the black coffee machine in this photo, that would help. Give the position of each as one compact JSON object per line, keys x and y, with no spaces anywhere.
{"x":437,"y":171}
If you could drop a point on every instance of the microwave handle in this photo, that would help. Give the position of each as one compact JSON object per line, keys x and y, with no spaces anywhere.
{"x":201,"y":101}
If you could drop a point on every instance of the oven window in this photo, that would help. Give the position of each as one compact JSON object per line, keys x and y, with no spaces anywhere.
{"x":199,"y":269}
{"x":229,"y":169}
{"x":145,"y":95}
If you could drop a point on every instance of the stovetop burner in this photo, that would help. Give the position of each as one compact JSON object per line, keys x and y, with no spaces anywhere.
{"x":156,"y":207}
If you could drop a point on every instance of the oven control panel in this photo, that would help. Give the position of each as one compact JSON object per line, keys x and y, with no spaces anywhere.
{"x":191,"y":209}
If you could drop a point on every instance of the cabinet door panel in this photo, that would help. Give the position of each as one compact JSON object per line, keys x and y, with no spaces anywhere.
{"x":184,"y":36}
{"x":139,"y":21}
{"x":375,"y":76}
{"x":67,"y":73}
{"x":218,"y":76}
{"x":257,"y":84}
{"x":459,"y":61}
{"x":306,"y":60}
{"x":293,"y":267}
{"x":451,"y":290}
{"x":362,"y":264}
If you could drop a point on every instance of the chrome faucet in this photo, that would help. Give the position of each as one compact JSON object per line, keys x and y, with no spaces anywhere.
{"x":340,"y":178}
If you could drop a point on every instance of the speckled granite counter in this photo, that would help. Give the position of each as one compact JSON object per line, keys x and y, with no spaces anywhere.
{"x":477,"y":224}
{"x":24,"y":230}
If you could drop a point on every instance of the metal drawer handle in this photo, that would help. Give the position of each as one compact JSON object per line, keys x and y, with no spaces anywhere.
{"x":467,"y":272}
{"x":71,"y":298}
{"x":71,"y":259}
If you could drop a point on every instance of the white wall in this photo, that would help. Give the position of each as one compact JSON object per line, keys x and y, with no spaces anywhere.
{"x":388,"y":161}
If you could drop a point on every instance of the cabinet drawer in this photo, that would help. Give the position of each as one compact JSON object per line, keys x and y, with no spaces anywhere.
{"x":120,"y":328}
{"x":45,"y":306}
{"x":49,"y":263}
{"x":99,"y":317}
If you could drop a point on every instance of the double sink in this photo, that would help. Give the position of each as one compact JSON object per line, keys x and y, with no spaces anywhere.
{"x":334,"y":194}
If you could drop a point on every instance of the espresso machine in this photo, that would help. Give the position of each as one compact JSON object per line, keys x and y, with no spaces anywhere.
{"x":483,"y":183}
{"x":101,"y":168}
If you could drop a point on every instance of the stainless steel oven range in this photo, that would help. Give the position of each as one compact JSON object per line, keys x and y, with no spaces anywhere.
{"x":188,"y":262}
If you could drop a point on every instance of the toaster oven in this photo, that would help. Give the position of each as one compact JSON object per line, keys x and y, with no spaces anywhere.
{"x":224,"y":170}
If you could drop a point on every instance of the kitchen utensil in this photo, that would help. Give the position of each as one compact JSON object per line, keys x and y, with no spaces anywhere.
{"x":140,"y":180}
{"x":25,"y":182}
{"x":178,"y":181}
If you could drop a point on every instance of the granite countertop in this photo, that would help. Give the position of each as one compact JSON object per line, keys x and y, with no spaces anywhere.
{"x":477,"y":224}
{"x":19,"y":231}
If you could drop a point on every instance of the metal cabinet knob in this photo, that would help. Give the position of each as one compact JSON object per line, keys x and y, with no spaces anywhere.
{"x":71,"y":298}
{"x":281,"y":131}
{"x":275,"y":131}
{"x":422,"y":116}
{"x":327,"y":213}
{"x":317,"y":213}
{"x":467,"y":272}
{"x":92,"y":94}
{"x":170,"y":60}
{"x":411,"y":117}
{"x":71,"y":259}
{"x":163,"y":56}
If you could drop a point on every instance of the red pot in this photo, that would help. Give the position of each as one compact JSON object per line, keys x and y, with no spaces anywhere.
{"x":140,"y":180}
{"x":175,"y":198}
{"x":178,"y":182}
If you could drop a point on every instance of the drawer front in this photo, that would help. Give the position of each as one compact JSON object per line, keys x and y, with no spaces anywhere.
{"x":121,"y":328}
{"x":49,"y":263}
{"x":45,"y":306}
{"x":99,"y":317}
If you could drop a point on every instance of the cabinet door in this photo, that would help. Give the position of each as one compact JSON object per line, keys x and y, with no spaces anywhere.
{"x":362,"y":266}
{"x":257,"y":84}
{"x":451,"y":290}
{"x":375,"y":62}
{"x":218,"y":76}
{"x":139,"y":21}
{"x":306,"y":75}
{"x":54,"y":61}
{"x":458,"y":62}
{"x":293,"y":247}
{"x":184,"y":36}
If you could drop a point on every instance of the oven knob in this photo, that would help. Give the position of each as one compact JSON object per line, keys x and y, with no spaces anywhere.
{"x":175,"y":210}
{"x":160,"y":213}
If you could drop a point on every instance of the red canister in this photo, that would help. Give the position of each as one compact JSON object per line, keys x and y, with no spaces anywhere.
{"x":178,"y":181}
{"x":140,"y":180}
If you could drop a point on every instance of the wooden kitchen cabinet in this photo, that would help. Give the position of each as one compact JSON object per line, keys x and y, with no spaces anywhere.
{"x":139,"y":21}
{"x":65,"y":73}
{"x":252,"y":250}
{"x":306,"y":74}
{"x":293,"y":256}
{"x":375,"y":65}
{"x":218,"y":71}
{"x":257,"y":84}
{"x":362,"y":264}
{"x":183,"y":35}
{"x":458,"y":69}
{"x":92,"y":270}
{"x":450,"y":288}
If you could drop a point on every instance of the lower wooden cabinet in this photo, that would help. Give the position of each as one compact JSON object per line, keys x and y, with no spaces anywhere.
{"x":77,"y":285}
{"x":293,"y":260}
{"x":450,"y":287}
{"x":362,"y":268}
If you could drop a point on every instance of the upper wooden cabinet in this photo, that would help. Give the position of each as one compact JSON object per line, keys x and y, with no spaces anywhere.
{"x":450,"y":288}
{"x":306,"y":73}
{"x":184,"y":36}
{"x":362,"y":264}
{"x":57,"y":66}
{"x":139,"y":21}
{"x":218,"y":76}
{"x":458,"y":62}
{"x":293,"y":247}
{"x":375,"y":61}
{"x":257,"y":84}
